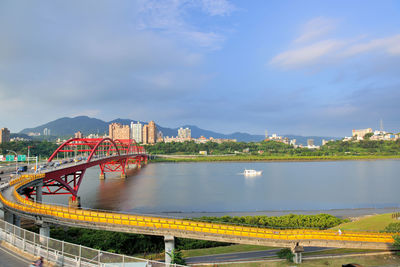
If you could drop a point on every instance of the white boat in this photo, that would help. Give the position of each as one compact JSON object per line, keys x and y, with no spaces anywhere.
{"x":251,"y":172}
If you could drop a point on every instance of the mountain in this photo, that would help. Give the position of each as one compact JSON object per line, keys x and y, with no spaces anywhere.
{"x":68,"y":126}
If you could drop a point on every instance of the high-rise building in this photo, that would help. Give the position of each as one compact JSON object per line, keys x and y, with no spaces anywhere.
{"x":184,"y":133}
{"x":152,"y":133}
{"x":145,"y":134}
{"x":361,"y":133}
{"x":119,"y":131}
{"x":46,"y":131}
{"x":4,"y":135}
{"x":310,"y":142}
{"x":137,"y":132}
{"x":78,"y":134}
{"x":266,"y":134}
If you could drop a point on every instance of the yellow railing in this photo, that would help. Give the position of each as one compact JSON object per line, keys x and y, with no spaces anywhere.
{"x":111,"y":218}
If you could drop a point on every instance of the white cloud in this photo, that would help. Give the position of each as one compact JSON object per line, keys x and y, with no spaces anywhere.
{"x":217,"y":7}
{"x":307,"y":55}
{"x":333,"y":50}
{"x":389,"y":45}
{"x":316,"y":28}
{"x":168,"y":16}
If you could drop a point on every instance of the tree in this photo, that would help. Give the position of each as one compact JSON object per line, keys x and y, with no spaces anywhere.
{"x":285,"y":253}
{"x":176,"y":257}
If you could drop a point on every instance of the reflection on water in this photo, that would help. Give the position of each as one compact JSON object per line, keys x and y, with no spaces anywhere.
{"x":218,"y":187}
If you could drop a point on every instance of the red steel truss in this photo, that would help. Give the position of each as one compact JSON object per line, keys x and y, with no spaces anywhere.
{"x":110,"y":155}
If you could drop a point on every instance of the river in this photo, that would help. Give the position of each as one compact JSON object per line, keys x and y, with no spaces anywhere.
{"x":197,"y":188}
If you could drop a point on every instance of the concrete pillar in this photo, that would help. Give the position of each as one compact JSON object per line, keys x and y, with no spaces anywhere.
{"x":123,"y":175}
{"x":16,"y":220}
{"x":297,"y":250}
{"x":102,"y":176}
{"x":39,"y":193}
{"x":8,"y":217}
{"x":44,"y":230}
{"x":169,"y":241}
{"x":74,"y":203}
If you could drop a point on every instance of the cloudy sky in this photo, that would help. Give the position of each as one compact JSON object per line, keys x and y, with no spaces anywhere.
{"x":291,"y":67}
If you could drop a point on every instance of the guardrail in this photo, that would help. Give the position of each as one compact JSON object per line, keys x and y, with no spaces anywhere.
{"x":67,"y":254}
{"x":110,"y":218}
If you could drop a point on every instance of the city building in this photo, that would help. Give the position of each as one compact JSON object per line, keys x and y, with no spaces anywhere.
{"x":33,"y":134}
{"x":119,"y":131}
{"x":78,"y":134}
{"x":4,"y":135}
{"x":152,"y":133}
{"x":46,"y":132}
{"x":184,"y":133}
{"x":145,"y":134}
{"x":359,"y":134}
{"x":137,"y":132}
{"x":310,"y":142}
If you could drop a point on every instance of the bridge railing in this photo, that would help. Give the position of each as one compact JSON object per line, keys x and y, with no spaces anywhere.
{"x":64,"y":253}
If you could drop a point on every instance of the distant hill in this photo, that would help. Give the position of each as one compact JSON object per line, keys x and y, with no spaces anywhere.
{"x":68,"y":126}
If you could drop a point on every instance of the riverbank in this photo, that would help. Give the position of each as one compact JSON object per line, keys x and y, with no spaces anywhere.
{"x":340,"y":213}
{"x":224,"y":158}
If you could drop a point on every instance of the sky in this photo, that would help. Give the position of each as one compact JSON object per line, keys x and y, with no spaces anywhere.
{"x":289,"y":67}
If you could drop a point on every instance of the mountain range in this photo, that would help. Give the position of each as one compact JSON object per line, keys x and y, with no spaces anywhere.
{"x":66,"y":126}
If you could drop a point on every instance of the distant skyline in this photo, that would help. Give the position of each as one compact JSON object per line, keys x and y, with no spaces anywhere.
{"x":289,"y":67}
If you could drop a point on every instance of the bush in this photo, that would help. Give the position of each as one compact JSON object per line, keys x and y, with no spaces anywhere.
{"x":392,"y":228}
{"x":285,"y":253}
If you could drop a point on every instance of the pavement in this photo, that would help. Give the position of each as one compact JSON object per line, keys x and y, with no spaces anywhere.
{"x":11,"y":259}
{"x":240,"y":256}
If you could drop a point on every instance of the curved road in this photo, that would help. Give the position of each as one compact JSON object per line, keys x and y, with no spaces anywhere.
{"x":9,"y":258}
{"x":238,"y":256}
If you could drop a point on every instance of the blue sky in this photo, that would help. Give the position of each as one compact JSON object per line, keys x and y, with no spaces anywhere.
{"x":289,"y":67}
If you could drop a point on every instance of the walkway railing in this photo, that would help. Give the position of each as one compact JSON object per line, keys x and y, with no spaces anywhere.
{"x":67,"y":254}
{"x":126,"y":220}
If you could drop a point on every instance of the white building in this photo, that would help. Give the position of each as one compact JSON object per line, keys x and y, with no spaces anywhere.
{"x":184,"y":133}
{"x":46,"y":131}
{"x":137,"y":132}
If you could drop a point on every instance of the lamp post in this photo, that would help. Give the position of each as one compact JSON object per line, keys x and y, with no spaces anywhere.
{"x":29,"y":147}
{"x":16,"y":162}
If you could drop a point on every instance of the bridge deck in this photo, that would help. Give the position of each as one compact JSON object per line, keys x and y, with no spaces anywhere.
{"x":186,"y":228}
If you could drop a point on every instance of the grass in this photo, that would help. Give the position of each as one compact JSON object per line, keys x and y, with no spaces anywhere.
{"x":381,"y":260}
{"x":223,"y":250}
{"x":373,"y":223}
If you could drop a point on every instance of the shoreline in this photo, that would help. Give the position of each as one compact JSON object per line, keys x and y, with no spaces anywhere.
{"x":340,"y":213}
{"x":192,"y":158}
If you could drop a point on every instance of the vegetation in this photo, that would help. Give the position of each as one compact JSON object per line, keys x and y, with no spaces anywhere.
{"x":286,"y":253}
{"x":320,"y":221}
{"x":277,"y":149}
{"x":368,"y":223}
{"x":42,"y":148}
{"x":392,"y":228}
{"x":176,"y":257}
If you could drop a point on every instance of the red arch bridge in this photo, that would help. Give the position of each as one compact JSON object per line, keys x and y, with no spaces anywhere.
{"x":67,"y":165}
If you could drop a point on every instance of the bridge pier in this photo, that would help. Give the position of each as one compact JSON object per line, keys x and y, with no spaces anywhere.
{"x":12,"y":218}
{"x":123,"y":175}
{"x":297,"y":250}
{"x":102,"y":176}
{"x":169,"y":241}
{"x":74,"y":203}
{"x":39,"y":192}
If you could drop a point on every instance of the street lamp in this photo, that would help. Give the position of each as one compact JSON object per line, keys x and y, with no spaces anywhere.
{"x":16,"y":161}
{"x":29,"y":147}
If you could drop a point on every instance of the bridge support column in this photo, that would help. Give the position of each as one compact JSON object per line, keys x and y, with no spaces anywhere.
{"x":169,"y":241}
{"x":74,"y":203}
{"x":39,"y":193}
{"x":297,"y":250}
{"x":123,"y":175}
{"x":102,"y":176}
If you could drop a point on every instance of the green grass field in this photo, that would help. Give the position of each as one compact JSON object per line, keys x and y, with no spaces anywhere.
{"x":373,"y":223}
